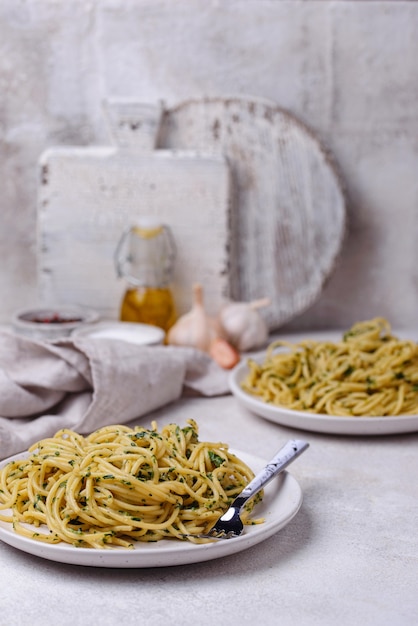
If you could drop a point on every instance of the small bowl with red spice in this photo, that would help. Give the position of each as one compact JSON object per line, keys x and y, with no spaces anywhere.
{"x":52,"y":322}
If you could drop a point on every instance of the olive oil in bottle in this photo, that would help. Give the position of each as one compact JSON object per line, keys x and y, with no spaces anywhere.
{"x":145,"y":259}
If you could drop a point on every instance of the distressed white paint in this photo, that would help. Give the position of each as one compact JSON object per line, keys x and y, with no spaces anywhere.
{"x":346,"y":68}
{"x":88,"y":196}
{"x":288,"y":215}
{"x":134,"y":124}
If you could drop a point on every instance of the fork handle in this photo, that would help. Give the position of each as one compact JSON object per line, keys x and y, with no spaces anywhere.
{"x":290,"y":451}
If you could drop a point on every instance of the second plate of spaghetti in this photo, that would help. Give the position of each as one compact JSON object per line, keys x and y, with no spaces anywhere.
{"x":364,"y":382}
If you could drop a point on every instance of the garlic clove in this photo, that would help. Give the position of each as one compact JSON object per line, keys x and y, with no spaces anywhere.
{"x":224,"y":353}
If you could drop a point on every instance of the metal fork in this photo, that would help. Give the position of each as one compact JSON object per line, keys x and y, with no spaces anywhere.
{"x":230,"y":523}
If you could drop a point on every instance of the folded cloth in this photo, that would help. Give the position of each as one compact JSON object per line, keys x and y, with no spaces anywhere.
{"x":84,"y":384}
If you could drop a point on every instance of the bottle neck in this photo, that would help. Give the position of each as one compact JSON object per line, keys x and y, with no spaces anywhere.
{"x":145,"y":256}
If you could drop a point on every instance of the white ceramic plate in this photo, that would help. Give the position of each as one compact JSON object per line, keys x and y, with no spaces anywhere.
{"x":141,"y":334}
{"x":315,"y":422}
{"x":282,"y":500}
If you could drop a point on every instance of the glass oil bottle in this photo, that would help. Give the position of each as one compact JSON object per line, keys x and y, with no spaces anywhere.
{"x":145,"y":258}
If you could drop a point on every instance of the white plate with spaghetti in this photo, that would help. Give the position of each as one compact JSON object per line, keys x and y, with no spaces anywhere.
{"x":282,"y":500}
{"x":316,"y":422}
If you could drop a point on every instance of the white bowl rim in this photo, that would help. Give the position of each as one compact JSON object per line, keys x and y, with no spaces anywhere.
{"x":85,"y":315}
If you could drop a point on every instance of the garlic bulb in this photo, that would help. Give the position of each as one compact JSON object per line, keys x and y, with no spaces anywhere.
{"x":242,"y":325}
{"x":194,"y":329}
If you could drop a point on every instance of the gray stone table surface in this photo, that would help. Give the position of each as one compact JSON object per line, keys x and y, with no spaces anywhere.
{"x":350,"y":555}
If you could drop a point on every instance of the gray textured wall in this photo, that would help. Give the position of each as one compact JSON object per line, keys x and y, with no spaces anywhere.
{"x":347,"y":69}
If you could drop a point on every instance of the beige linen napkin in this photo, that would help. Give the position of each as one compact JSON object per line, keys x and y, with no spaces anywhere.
{"x":86,"y":383}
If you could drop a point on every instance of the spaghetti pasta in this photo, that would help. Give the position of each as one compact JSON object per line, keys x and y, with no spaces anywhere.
{"x":120,"y":485}
{"x":369,"y":372}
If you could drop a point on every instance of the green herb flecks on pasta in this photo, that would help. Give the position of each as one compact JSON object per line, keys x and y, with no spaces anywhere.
{"x":369,"y":372}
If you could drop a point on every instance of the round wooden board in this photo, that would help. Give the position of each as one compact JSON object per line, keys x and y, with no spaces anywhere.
{"x":287,"y":218}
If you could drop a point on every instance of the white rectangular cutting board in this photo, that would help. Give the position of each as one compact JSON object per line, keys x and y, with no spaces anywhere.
{"x":87,"y":196}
